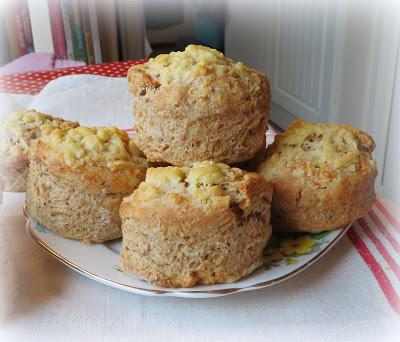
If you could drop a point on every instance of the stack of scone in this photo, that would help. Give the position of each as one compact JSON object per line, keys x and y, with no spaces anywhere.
{"x":205,"y":222}
{"x":197,"y":219}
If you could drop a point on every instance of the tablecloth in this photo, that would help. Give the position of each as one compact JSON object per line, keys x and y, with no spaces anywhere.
{"x":351,"y":294}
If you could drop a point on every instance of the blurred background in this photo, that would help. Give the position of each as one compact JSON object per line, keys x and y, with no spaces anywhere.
{"x":95,"y":31}
{"x":327,"y":60}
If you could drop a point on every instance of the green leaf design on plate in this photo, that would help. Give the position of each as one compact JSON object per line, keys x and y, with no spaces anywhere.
{"x":40,"y":228}
{"x":321,"y":235}
{"x":294,"y":255}
{"x":316,"y":248}
{"x":291,"y":261}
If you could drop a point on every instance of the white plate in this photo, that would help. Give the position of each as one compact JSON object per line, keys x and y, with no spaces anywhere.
{"x":285,"y":257}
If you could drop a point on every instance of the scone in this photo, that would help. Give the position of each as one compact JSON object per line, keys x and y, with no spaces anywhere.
{"x":78,"y":178}
{"x":16,"y":134}
{"x":323,"y":176}
{"x":201,"y":225}
{"x":198,"y":105}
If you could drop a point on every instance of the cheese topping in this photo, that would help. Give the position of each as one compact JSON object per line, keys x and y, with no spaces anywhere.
{"x":88,"y":145}
{"x":17,"y":131}
{"x":317,"y":151}
{"x":192,"y":63}
{"x":29,"y":116}
{"x":203,"y":181}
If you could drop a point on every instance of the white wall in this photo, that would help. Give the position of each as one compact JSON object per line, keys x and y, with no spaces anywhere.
{"x":367,"y":41}
{"x":391,"y":170}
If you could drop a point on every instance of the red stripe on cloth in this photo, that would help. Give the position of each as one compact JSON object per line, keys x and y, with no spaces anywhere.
{"x":380,"y":247}
{"x":376,"y":269}
{"x":384,"y":231}
{"x":388,"y":215}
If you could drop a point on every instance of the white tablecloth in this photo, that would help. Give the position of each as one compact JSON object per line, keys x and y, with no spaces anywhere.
{"x":336,"y":299}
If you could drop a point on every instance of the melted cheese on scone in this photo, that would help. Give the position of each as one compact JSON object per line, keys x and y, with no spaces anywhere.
{"x":202,"y":181}
{"x":195,"y":61}
{"x":319,"y":152}
{"x":88,"y":145}
{"x":17,"y":131}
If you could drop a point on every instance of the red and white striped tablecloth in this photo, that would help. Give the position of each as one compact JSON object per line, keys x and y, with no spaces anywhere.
{"x":376,"y":237}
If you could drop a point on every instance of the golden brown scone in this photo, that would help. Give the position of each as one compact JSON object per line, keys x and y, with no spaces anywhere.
{"x":201,"y":225}
{"x":16,"y":133}
{"x":323,"y":176}
{"x":78,"y":178}
{"x":199,"y":105}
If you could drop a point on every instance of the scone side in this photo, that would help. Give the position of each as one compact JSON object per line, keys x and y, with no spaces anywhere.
{"x":138,"y":259}
{"x":65,"y":209}
{"x":235,"y":134}
{"x":296,"y":208}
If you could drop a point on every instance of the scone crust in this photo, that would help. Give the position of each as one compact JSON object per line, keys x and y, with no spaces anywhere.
{"x":302,"y":202}
{"x":93,"y":178}
{"x":78,"y":202}
{"x":175,"y":241}
{"x":56,"y":203}
{"x":16,"y":134}
{"x":203,"y":115}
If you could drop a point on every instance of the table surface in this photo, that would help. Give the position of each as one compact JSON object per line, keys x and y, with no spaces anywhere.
{"x":353,"y":293}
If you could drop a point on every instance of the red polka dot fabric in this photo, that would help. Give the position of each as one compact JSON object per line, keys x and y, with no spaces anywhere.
{"x":33,"y":82}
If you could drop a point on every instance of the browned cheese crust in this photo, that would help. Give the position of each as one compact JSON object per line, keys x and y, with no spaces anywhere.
{"x":16,"y":134}
{"x":198,"y":105}
{"x":201,"y":225}
{"x":323,"y":176}
{"x":78,"y":178}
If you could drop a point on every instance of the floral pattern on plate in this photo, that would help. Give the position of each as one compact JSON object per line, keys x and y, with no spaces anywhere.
{"x":288,"y":247}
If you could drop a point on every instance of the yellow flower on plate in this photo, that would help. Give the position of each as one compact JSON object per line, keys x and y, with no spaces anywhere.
{"x":301,"y":245}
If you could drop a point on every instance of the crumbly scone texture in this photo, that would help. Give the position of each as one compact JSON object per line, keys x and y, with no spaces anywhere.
{"x":16,"y":134}
{"x":323,"y":176}
{"x":205,"y":224}
{"x":198,"y":105}
{"x":78,"y":178}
